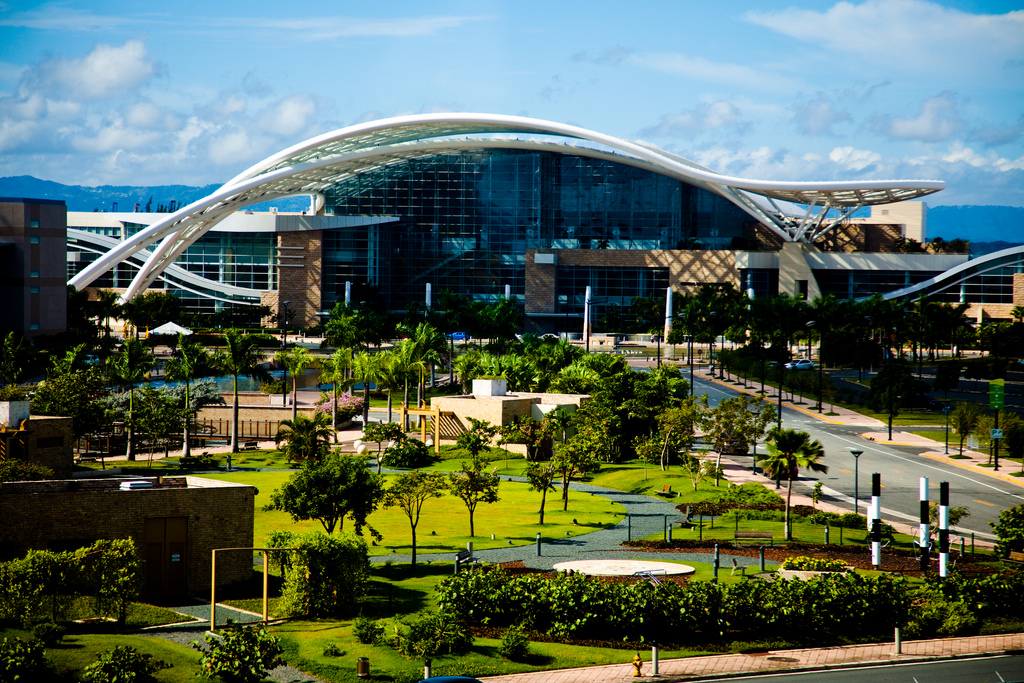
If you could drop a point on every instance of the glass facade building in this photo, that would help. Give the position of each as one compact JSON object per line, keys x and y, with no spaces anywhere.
{"x":466,"y":220}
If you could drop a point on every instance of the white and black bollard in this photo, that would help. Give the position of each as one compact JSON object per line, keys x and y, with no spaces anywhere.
{"x":426,"y":662}
{"x":654,"y":658}
{"x":538,"y":544}
{"x":876,"y":520}
{"x":924,"y":530}
{"x":944,"y":529}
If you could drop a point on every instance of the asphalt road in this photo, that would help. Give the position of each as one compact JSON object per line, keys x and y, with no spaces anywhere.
{"x":1000,"y":669}
{"x":901,"y":469}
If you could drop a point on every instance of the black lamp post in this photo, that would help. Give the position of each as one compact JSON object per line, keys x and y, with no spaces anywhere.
{"x":284,"y":325}
{"x":856,"y":494}
{"x":945,"y":409}
{"x":657,"y":340}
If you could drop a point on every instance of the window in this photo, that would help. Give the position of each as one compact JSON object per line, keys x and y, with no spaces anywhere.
{"x":33,"y":240}
{"x":33,"y":224}
{"x":33,"y":273}
{"x":33,"y":290}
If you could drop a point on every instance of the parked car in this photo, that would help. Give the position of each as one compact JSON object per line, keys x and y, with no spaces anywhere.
{"x":458,"y":336}
{"x":800,"y":364}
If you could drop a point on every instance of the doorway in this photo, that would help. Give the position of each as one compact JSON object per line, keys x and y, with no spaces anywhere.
{"x":165,"y":540}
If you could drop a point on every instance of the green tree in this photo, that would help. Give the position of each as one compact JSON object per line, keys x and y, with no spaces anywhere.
{"x":305,"y":439}
{"x":295,"y":361}
{"x":536,"y":435}
{"x":242,"y":654}
{"x":381,"y":433}
{"x":356,"y":327}
{"x":1009,"y":529}
{"x":575,"y":458}
{"x":410,"y":491}
{"x":540,"y":475}
{"x":12,"y":358}
{"x":192,"y":362}
{"x":127,"y":368}
{"x":788,"y":451}
{"x":156,"y":417}
{"x":73,"y":394}
{"x":366,"y":370}
{"x":477,"y":437}
{"x":241,"y":357}
{"x":334,"y":371}
{"x":678,"y":428}
{"x":965,"y":418}
{"x":329,"y":490}
{"x":890,"y":386}
{"x":474,"y":486}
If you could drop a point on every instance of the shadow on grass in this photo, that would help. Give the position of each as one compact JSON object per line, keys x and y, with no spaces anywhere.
{"x":531,"y":658}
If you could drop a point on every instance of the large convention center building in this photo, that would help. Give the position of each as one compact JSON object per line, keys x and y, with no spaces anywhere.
{"x":489,"y":206}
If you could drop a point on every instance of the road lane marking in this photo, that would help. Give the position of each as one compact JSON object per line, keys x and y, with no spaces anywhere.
{"x":991,"y":505}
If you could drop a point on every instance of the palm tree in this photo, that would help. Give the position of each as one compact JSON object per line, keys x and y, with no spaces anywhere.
{"x":295,"y":361}
{"x":334,"y":370}
{"x":407,"y":365}
{"x":127,"y":368}
{"x":107,"y":306}
{"x":193,"y":362}
{"x":242,"y":357}
{"x":788,"y":451}
{"x":366,"y":368}
{"x":305,"y":438}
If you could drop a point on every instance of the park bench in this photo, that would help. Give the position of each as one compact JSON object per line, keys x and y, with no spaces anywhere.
{"x":666,"y":490}
{"x":1015,"y":557}
{"x":737,"y":567}
{"x":465,"y":557}
{"x":756,"y":536}
{"x":651,"y":575}
{"x":250,"y":446}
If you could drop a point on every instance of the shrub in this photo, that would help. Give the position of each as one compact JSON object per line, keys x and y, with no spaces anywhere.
{"x":20,"y":470}
{"x":407,"y":453}
{"x":332,"y":650}
{"x":941,"y":618}
{"x":124,"y":664}
{"x":431,"y":634}
{"x":328,"y":576}
{"x":22,"y":660}
{"x":515,"y":644}
{"x":1009,"y":530}
{"x":49,"y":633}
{"x":241,"y":654}
{"x":813,"y":564}
{"x":368,"y":631}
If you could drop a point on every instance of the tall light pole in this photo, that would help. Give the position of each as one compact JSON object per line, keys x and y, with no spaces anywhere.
{"x":856,"y":494}
{"x":657,"y":340}
{"x":284,"y":325}
{"x":945,"y":409}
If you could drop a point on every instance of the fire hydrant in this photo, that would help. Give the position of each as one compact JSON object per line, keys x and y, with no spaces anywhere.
{"x":637,"y":663}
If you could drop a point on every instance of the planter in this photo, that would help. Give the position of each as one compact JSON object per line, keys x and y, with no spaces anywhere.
{"x":803,"y":575}
{"x":490,"y":387}
{"x":13,"y":412}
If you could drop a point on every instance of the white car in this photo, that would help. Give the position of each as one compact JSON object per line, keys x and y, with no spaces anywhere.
{"x":801,"y":364}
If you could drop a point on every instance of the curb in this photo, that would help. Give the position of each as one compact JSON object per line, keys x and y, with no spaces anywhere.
{"x":971,"y":467}
{"x":811,"y":413}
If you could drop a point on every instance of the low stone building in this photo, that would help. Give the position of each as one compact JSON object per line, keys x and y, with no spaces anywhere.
{"x":176,"y":522}
{"x":39,"y":439}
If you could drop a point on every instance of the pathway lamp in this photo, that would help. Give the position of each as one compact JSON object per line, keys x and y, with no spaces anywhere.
{"x":946,"y":409}
{"x":284,"y":325}
{"x":856,"y":494}
{"x":657,"y":340}
{"x":821,"y":367}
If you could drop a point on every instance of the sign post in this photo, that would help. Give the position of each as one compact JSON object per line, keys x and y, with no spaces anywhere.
{"x":996,"y":402}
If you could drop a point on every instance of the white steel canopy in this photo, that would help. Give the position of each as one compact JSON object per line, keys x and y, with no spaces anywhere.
{"x":310,"y":167}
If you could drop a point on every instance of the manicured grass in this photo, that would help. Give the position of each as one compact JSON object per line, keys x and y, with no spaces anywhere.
{"x":513,"y":518}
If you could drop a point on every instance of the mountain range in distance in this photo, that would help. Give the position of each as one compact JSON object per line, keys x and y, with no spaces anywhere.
{"x":984,"y":227}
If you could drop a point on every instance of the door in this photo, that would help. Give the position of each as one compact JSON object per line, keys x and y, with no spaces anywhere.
{"x":166,"y":555}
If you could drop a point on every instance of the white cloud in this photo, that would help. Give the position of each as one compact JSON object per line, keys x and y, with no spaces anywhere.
{"x":700,"y":119}
{"x":818,"y":116}
{"x":147,"y":116}
{"x":61,"y":17}
{"x":103,"y":73}
{"x":937,"y":120}
{"x":854,"y":159}
{"x":912,"y":34}
{"x":331,"y":28}
{"x":994,"y":136}
{"x":287,"y":117}
{"x":723,"y":73}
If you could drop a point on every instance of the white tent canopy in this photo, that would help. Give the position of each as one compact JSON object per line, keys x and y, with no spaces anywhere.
{"x":171,"y":328}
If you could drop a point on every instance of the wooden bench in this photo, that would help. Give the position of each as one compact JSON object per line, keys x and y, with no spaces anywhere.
{"x":756,"y":536}
{"x":250,"y":446}
{"x":666,"y":490}
{"x":1015,"y":557}
{"x":465,"y":557}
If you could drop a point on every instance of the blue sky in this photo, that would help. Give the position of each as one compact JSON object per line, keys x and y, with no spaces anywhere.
{"x":181,"y":92}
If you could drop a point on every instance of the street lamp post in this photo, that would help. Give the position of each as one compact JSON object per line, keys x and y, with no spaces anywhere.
{"x":689,"y":355}
{"x":856,"y":494}
{"x":945,"y":409}
{"x":821,"y":336}
{"x":657,"y":340}
{"x":284,"y":326}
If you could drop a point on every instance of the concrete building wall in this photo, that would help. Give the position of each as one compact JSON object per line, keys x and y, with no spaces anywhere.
{"x":66,"y":513}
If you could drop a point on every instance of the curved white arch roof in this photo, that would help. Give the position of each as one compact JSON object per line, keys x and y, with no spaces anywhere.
{"x":320,"y":162}
{"x":1012,"y":256}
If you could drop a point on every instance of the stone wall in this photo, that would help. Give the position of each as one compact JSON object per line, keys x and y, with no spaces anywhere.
{"x":68,"y":513}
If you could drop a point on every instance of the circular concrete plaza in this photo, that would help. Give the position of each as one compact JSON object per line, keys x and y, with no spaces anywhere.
{"x":623,"y":567}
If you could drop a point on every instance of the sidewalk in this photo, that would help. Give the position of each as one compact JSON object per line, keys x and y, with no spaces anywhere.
{"x":773,"y":661}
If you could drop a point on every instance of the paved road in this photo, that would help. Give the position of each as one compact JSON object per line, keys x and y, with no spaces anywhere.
{"x":900,"y":467}
{"x":1000,"y":669}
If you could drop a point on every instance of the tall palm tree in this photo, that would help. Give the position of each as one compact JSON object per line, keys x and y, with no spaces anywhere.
{"x":305,"y":438}
{"x":334,"y":370}
{"x":241,"y":358}
{"x":295,"y":361}
{"x":128,"y":367}
{"x":407,"y":365}
{"x":366,"y":368}
{"x":193,"y":362}
{"x":788,"y":451}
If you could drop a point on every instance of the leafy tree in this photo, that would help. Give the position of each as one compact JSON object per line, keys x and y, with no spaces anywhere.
{"x":329,"y":490}
{"x":12,"y":357}
{"x":697,"y":468}
{"x":477,"y":438}
{"x":540,"y":476}
{"x":575,"y":458}
{"x":127,"y":368}
{"x":409,"y":492}
{"x":956,"y":514}
{"x":890,"y":386}
{"x":947,"y":377}
{"x":156,"y":415}
{"x":240,"y":358}
{"x":295,"y":361}
{"x":151,"y":309}
{"x":474,"y":486}
{"x":366,"y":369}
{"x":1009,"y":529}
{"x":1013,"y":436}
{"x":356,"y":327}
{"x":407,"y":453}
{"x":678,"y":428}
{"x":192,"y":362}
{"x":736,"y":423}
{"x":965,"y":418}
{"x":73,"y":394}
{"x":123,"y":664}
{"x":381,"y":433}
{"x":305,"y":439}
{"x":788,"y":451}
{"x":334,"y":371}
{"x":535,"y":434}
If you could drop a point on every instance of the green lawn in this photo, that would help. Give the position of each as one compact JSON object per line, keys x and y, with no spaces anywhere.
{"x":444,"y":525}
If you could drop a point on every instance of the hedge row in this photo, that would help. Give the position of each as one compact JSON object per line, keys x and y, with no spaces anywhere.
{"x":574,"y":606}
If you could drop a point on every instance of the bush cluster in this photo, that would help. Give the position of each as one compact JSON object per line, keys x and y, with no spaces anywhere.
{"x":22,"y":660}
{"x":432,"y":633}
{"x":407,"y":454}
{"x":239,"y":654}
{"x":123,"y":664}
{"x":578,"y":607}
{"x":813,"y":564}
